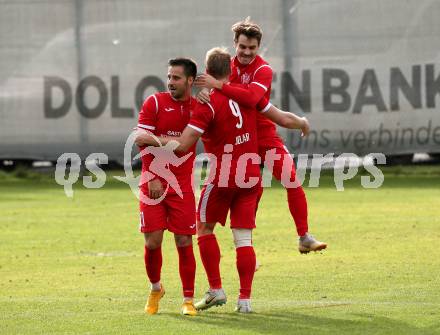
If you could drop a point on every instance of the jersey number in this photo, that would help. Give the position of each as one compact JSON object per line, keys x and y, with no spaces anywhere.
{"x":235,"y":109}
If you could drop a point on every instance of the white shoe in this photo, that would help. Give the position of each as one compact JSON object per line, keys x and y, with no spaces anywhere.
{"x":243,"y":306}
{"x":211,"y":298}
{"x":308,"y":243}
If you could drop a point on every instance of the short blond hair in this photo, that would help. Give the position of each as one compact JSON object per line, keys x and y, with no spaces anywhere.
{"x":218,"y":62}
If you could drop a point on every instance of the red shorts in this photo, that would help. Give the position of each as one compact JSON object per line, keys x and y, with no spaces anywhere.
{"x":173,"y":213}
{"x":279,"y":164}
{"x":215,"y":203}
{"x":268,"y":141}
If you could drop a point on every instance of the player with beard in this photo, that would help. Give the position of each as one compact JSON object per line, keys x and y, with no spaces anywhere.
{"x":167,"y":114}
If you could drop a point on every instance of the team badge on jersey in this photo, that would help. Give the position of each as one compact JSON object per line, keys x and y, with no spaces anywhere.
{"x":245,"y":78}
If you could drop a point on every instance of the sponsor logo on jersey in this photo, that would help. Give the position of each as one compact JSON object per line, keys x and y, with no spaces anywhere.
{"x":173,"y":133}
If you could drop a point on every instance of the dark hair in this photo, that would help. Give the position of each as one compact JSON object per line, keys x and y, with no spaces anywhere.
{"x":248,"y":29}
{"x":218,"y":62}
{"x":189,"y":66}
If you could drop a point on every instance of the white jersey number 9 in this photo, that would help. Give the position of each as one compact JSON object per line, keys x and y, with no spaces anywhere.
{"x":235,"y":109}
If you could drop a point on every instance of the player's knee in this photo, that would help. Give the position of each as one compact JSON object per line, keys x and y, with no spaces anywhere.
{"x":152,"y":244}
{"x":204,"y":228}
{"x":182,"y":240}
{"x":242,"y":237}
{"x":153,"y":241}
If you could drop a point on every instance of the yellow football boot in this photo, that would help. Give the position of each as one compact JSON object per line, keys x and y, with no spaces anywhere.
{"x":152,"y":305}
{"x":188,"y":308}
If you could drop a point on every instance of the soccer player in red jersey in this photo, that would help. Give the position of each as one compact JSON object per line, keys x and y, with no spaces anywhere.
{"x":229,"y":134}
{"x":163,"y":204}
{"x":248,"y":68}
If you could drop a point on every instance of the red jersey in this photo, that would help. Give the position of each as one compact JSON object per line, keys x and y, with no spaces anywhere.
{"x":258,"y":76}
{"x":228,"y":129}
{"x":165,"y":116}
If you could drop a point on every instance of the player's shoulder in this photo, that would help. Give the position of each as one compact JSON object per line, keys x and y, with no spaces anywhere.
{"x":202,"y":112}
{"x":216,"y":101}
{"x":260,"y":64}
{"x":163,"y":96}
{"x":202,"y":107}
{"x":260,"y":61}
{"x":150,"y":103}
{"x":199,"y":105}
{"x":217,"y":98}
{"x":156,"y":97}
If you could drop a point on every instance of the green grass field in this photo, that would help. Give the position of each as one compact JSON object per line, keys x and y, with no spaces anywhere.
{"x":75,"y":266}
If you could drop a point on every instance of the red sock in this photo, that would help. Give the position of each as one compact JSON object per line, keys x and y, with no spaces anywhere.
{"x":153,"y":263}
{"x":246,"y":269}
{"x":298,"y":208}
{"x":210,"y":255}
{"x":187,"y":270}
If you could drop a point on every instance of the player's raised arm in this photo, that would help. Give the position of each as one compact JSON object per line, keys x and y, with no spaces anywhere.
{"x":246,"y":96}
{"x":251,"y":95}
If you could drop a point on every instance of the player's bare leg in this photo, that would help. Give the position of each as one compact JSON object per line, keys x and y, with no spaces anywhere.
{"x":246,"y":262}
{"x":187,"y":271}
{"x":153,"y":265}
{"x":210,"y":255}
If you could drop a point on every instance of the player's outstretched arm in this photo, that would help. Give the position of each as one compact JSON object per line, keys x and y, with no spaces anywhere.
{"x":188,"y":138}
{"x":286,"y":119}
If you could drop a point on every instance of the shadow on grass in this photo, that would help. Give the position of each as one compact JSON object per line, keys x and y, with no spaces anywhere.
{"x":295,"y":323}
